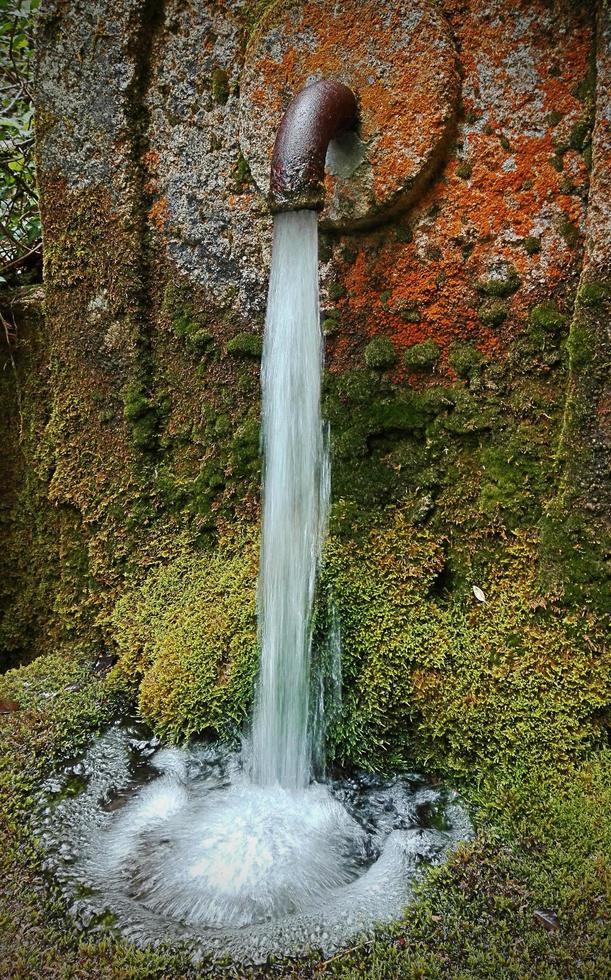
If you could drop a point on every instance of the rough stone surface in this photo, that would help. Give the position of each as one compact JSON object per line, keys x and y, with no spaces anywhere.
{"x":579,"y":520}
{"x":157,"y":244}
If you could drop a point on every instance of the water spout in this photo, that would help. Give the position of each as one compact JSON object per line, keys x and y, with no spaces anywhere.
{"x":296,"y":469}
{"x":317,"y":114}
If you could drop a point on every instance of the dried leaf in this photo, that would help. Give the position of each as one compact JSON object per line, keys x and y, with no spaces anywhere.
{"x":479,"y":595}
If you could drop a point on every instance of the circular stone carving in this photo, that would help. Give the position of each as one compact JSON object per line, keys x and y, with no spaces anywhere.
{"x":398,"y":58}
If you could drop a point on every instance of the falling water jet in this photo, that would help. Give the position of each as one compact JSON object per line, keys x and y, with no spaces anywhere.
{"x":296,"y":466}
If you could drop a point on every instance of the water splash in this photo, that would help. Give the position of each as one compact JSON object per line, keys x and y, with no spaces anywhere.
{"x":180,"y":845}
{"x":295,"y":503}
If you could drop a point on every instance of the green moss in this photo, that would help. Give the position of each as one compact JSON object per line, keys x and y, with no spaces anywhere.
{"x":502,"y":285}
{"x":493,"y":313}
{"x":531,"y":245}
{"x":245,"y":345}
{"x":554,"y":117}
{"x":380,"y":354}
{"x":189,"y":634}
{"x":336,"y":291}
{"x":476,"y":917}
{"x":422,"y":357}
{"x":464,"y":170}
{"x":220,"y":86}
{"x":241,"y":176}
{"x":404,"y":233}
{"x":546,"y":317}
{"x":466,"y":687}
{"x":593,"y":293}
{"x":569,"y":232}
{"x":465,"y":359}
{"x":385,"y":298}
{"x":142,"y":414}
{"x":513,"y":482}
{"x":544,"y":835}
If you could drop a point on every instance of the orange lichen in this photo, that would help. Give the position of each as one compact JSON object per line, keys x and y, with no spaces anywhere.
{"x":158,"y":213}
{"x":476,"y":218}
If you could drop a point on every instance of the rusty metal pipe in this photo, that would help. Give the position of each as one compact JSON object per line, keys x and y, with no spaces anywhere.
{"x":314,"y":116}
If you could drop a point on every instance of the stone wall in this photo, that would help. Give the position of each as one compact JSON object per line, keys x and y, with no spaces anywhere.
{"x":449,"y":342}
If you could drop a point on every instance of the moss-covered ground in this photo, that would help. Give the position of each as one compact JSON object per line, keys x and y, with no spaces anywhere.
{"x":507,"y":698}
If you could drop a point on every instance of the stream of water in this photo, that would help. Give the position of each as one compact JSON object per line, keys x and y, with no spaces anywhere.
{"x":295,"y":503}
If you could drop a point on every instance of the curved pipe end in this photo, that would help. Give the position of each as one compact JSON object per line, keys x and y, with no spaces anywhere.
{"x":317,"y":114}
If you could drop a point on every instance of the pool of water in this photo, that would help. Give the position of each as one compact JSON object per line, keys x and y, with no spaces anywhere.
{"x":179,"y":845}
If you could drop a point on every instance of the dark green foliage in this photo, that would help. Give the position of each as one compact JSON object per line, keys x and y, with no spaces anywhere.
{"x":380,"y":354}
{"x":20,"y":242}
{"x":422,"y":357}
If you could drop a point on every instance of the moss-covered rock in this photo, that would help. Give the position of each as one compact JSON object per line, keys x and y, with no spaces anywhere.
{"x":465,"y":359}
{"x":189,"y":635}
{"x":503,"y":284}
{"x":380,"y":354}
{"x":245,"y":345}
{"x":493,"y":313}
{"x":546,"y":317}
{"x":465,"y":686}
{"x":531,"y":244}
{"x":422,"y":357}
